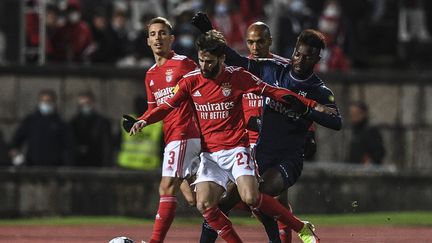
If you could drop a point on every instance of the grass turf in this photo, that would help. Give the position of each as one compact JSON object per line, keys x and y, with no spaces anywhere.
{"x":376,"y":218}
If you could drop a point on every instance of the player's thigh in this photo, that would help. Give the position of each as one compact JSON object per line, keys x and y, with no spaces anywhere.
{"x":272,"y":182}
{"x":247,"y":187}
{"x":208,"y":194}
{"x":188,"y":193}
{"x":181,"y":158}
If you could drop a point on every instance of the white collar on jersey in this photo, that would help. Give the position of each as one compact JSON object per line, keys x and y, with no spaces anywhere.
{"x":299,"y":80}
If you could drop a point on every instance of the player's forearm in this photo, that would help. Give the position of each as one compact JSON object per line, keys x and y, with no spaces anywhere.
{"x":156,"y":114}
{"x":326,"y":120}
{"x":278,"y":94}
{"x":235,"y":59}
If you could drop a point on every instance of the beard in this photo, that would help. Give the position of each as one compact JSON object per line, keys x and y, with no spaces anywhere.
{"x":211,"y":74}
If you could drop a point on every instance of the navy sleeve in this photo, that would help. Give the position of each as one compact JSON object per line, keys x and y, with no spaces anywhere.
{"x":235,"y":59}
{"x":327,"y":120}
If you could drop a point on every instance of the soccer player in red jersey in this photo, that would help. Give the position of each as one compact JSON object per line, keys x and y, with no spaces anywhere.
{"x":181,"y":133}
{"x":217,"y":91}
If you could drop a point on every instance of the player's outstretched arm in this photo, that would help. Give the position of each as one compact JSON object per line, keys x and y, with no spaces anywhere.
{"x":201,"y":21}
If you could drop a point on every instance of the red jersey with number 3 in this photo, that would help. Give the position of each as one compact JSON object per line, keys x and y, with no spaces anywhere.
{"x":218,"y":105}
{"x":160,"y":82}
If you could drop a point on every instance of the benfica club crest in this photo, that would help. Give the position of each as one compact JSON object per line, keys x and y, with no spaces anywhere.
{"x":169,"y":75}
{"x":226,"y":89}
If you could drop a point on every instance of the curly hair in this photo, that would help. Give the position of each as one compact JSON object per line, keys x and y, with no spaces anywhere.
{"x":213,"y":42}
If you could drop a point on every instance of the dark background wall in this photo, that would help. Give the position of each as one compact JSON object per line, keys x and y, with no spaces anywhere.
{"x":71,"y":191}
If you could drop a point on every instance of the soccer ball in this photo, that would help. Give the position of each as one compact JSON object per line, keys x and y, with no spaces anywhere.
{"x":121,"y":239}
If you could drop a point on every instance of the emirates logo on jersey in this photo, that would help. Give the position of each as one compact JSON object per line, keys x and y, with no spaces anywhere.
{"x":169,"y":75}
{"x":226,"y":89}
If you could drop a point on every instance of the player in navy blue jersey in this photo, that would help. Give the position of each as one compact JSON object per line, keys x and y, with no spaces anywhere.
{"x":280,"y":148}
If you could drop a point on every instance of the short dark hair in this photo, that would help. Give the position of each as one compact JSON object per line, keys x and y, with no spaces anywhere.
{"x":161,"y":20}
{"x":361,"y":105}
{"x":311,"y":38}
{"x":213,"y":42}
{"x":48,"y":92}
{"x":88,"y":94}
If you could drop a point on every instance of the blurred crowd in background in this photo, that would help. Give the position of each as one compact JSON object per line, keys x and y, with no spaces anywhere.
{"x":360,"y":33}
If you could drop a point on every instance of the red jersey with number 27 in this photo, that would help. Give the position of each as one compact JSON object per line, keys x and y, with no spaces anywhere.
{"x":218,"y":105}
{"x":160,"y":82}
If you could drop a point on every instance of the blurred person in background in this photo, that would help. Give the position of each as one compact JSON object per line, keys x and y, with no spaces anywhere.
{"x":123,"y":40}
{"x":44,"y":135}
{"x":229,"y":20}
{"x":331,"y":24}
{"x":92,"y":134}
{"x":413,"y":34}
{"x":2,"y":48}
{"x":52,"y":25}
{"x":366,"y":145}
{"x":186,"y":34}
{"x":72,"y":43}
{"x":105,"y":40}
{"x":4,"y":158}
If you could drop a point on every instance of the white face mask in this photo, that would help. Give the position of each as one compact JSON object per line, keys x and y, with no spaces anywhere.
{"x":74,"y":17}
{"x":46,"y":108}
{"x":186,"y":41}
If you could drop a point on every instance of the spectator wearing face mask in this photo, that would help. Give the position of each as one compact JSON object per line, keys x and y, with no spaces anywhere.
{"x":186,"y":34}
{"x":73,"y":43}
{"x":92,"y":134}
{"x":44,"y":135}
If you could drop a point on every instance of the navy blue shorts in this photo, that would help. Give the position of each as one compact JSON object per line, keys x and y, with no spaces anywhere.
{"x":290,"y":167}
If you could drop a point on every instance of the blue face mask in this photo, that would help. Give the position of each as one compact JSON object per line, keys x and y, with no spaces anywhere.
{"x":186,"y":41}
{"x":46,"y":108}
{"x":221,"y":9}
{"x":86,"y":109}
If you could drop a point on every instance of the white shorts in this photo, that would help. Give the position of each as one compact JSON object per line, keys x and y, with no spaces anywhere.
{"x":181,"y":158}
{"x":225,"y":165}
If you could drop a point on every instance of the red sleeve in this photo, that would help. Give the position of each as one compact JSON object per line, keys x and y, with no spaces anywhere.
{"x":257,"y":86}
{"x":180,"y":94}
{"x":150,"y":97}
{"x":156,"y":114}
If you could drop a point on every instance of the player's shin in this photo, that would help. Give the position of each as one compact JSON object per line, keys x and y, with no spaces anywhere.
{"x":218,"y":221}
{"x":270,"y":226}
{"x":164,"y":218}
{"x":271,"y":207}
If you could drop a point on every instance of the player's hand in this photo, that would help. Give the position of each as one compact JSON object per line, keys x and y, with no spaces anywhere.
{"x":254,"y":124}
{"x":325,"y":109}
{"x":128,"y":122}
{"x":137,"y":126}
{"x":296,"y":105}
{"x":202,"y":22}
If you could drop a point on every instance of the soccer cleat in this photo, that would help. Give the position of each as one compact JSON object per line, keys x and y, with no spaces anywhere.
{"x":307,"y":234}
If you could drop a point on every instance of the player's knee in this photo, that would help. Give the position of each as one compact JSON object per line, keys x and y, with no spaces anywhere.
{"x":250,"y":198}
{"x":202,"y":206}
{"x":269,"y":189}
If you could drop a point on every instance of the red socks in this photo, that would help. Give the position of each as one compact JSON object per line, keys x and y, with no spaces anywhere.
{"x":284,"y":230}
{"x":270,"y":206}
{"x":285,"y":233}
{"x":219,"y":222}
{"x":164,"y":218}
